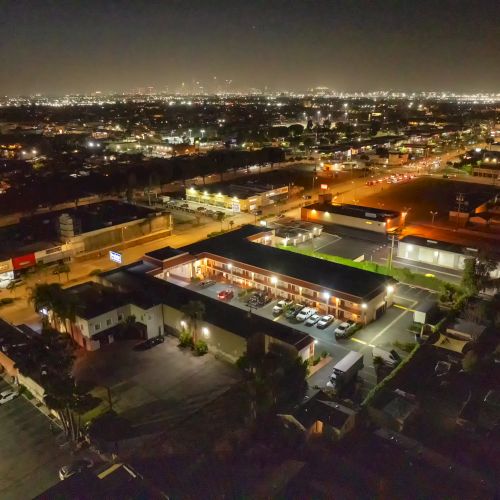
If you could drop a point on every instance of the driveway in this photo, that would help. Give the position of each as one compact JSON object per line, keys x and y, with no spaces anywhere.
{"x":29,"y":455}
{"x":158,"y":386}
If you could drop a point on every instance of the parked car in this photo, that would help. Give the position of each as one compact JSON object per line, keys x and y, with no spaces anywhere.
{"x":313,"y":319}
{"x":306,"y":313}
{"x":293,"y":311}
{"x":259,"y":299}
{"x":201,"y":209}
{"x":206,"y":283}
{"x":281,"y":306}
{"x":148,"y":344}
{"x":8,"y":395}
{"x":75,"y":467}
{"x":225,"y":294}
{"x":325,"y":321}
{"x":344,"y":329}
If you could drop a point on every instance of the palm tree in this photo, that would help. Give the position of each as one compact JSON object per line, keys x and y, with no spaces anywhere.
{"x":194,"y":310}
{"x":221,"y":217}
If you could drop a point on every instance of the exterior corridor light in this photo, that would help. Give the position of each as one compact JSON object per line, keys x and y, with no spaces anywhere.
{"x":390,"y":289}
{"x":363,"y":306}
{"x":205,"y":331}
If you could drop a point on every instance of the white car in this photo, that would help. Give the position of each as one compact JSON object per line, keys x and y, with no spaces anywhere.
{"x":325,"y":321}
{"x":7,"y":396}
{"x":343,"y":329}
{"x":280,"y":306}
{"x":313,"y":320}
{"x":306,"y":313}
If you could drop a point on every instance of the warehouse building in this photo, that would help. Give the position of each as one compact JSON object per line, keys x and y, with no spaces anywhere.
{"x":356,"y":216}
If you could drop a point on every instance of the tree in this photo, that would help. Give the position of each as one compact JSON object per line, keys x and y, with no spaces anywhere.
{"x":194,"y":310}
{"x":221,"y":217}
{"x":469,"y":281}
{"x":231,"y":224}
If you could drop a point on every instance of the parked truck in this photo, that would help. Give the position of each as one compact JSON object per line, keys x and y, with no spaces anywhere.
{"x":346,"y":370}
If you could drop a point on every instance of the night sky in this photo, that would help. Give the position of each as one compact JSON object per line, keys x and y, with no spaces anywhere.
{"x":63,"y":46}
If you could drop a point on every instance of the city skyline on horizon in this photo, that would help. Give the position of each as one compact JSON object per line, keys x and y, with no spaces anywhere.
{"x":115,"y":45}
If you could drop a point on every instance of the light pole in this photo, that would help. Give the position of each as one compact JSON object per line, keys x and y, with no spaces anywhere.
{"x":326,"y":295}
{"x":433,"y":215}
{"x":274,"y":281}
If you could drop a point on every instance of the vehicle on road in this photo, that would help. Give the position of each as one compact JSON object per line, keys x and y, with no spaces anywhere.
{"x":206,"y":283}
{"x":281,"y":306}
{"x":325,"y":321}
{"x":75,"y":467}
{"x":306,"y":313}
{"x":8,"y":395}
{"x":225,"y":294}
{"x":346,"y":370}
{"x":293,"y":311}
{"x":313,"y":320}
{"x":344,"y":329}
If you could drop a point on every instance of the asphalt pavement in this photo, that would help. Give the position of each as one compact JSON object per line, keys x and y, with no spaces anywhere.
{"x":29,"y":454}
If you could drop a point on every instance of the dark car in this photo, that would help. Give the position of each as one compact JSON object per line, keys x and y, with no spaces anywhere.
{"x":206,"y":283}
{"x":148,"y":344}
{"x":74,"y":468}
{"x":293,"y":311}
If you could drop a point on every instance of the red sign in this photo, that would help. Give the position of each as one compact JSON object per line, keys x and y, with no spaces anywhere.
{"x":24,"y":261}
{"x":324,"y":186}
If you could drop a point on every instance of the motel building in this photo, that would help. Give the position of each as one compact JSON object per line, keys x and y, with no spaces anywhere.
{"x":247,"y":258}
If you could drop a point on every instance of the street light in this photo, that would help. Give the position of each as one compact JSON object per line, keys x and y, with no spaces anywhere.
{"x":326,"y":295}
{"x":433,"y":215}
{"x":274,"y":281}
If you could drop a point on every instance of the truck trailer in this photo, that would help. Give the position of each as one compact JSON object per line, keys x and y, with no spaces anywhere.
{"x":346,"y":370}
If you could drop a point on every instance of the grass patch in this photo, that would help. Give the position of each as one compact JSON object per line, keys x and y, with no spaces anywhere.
{"x":403,"y":275}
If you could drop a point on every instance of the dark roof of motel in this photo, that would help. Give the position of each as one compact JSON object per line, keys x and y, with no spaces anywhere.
{"x":369,"y":213}
{"x":235,"y":246}
{"x":231,"y":318}
{"x":165,"y":253}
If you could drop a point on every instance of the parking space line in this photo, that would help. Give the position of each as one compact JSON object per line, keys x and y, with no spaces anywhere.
{"x":397,"y":318}
{"x":362,"y":342}
{"x":403,"y":307}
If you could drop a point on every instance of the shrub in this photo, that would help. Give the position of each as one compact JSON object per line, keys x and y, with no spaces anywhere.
{"x":324,"y":354}
{"x":201,"y":347}
{"x":404,"y":346}
{"x":95,"y":272}
{"x":185,"y":340}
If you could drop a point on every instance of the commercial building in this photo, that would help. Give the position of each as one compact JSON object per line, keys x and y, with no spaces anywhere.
{"x":356,"y":216}
{"x":61,"y":235}
{"x":237,"y":197}
{"x":441,"y":253}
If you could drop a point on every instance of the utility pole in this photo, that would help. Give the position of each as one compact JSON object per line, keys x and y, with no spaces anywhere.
{"x":391,"y":255}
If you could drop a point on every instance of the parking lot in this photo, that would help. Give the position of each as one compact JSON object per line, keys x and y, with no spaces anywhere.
{"x":383,"y":333}
{"x":158,"y":386}
{"x":29,"y":454}
{"x":347,"y":243}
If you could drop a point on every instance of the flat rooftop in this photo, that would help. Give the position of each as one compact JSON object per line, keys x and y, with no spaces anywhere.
{"x":234,"y":245}
{"x":40,"y":231}
{"x":369,"y":213}
{"x":242,"y":190}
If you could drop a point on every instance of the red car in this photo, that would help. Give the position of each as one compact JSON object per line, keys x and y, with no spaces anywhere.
{"x":225,"y":294}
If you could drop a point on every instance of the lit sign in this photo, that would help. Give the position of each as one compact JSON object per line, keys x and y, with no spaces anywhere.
{"x":115,"y":257}
{"x":324,"y":186}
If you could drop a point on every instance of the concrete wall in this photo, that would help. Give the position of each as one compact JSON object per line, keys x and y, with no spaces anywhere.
{"x":344,"y":220}
{"x":426,"y":255}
